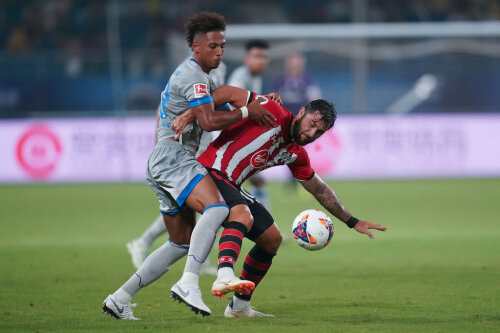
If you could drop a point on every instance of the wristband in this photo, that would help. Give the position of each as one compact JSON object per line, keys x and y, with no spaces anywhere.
{"x":244,"y":112}
{"x":352,"y":222}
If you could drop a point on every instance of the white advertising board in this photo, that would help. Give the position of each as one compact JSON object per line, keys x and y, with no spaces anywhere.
{"x":366,"y":147}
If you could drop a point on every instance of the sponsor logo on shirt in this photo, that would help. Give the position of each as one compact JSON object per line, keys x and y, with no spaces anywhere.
{"x":200,"y":90}
{"x":259,"y":159}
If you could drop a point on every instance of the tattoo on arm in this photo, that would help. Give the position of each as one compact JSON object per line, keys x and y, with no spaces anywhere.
{"x":326,"y":197}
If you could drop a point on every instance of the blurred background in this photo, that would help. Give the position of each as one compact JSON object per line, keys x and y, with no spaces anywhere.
{"x":74,"y":57}
{"x":111,"y":59}
{"x":416,"y":85}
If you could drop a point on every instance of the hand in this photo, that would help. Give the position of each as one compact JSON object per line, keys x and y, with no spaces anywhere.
{"x":363,"y":226}
{"x":180,"y":122}
{"x":275,"y":97}
{"x":260,"y":115}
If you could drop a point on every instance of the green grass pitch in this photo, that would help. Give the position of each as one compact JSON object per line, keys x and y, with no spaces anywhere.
{"x":436,"y":269}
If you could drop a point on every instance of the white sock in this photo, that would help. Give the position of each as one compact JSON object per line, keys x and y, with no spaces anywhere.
{"x":240,"y":304}
{"x":155,"y":265}
{"x":122,"y":296}
{"x":189,"y":279}
{"x":225,"y":272}
{"x":203,"y":236}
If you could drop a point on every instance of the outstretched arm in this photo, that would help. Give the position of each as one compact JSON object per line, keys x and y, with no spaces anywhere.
{"x":328,"y":199}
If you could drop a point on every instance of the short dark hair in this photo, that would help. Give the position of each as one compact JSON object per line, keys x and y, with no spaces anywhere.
{"x":203,"y":22}
{"x":326,"y":109}
{"x":257,"y":43}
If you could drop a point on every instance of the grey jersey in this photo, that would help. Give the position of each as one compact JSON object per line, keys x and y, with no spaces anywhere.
{"x":189,"y":86}
{"x":242,"y":78}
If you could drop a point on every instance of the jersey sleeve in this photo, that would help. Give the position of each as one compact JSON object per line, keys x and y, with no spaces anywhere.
{"x":197,"y":90}
{"x":301,"y":168}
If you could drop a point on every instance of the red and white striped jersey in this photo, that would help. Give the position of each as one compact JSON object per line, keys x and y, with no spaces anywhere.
{"x":244,"y":149}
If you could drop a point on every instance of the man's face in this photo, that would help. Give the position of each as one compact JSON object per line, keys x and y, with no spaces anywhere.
{"x":308,"y":127}
{"x":257,"y":60}
{"x":295,"y":65}
{"x":208,"y":49}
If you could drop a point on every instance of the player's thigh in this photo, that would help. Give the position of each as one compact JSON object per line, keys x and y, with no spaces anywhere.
{"x":179,"y":179}
{"x":231,"y":194}
{"x":180,"y":225}
{"x":204,"y":194}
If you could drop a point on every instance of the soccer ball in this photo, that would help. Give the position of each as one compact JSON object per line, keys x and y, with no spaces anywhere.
{"x":312,"y":229}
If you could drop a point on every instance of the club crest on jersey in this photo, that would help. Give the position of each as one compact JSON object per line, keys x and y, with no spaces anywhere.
{"x":285,"y":157}
{"x":259,"y":159}
{"x":200,"y":90}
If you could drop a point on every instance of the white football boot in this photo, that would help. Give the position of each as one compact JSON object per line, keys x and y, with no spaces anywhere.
{"x":191,"y":297}
{"x":227,"y":284}
{"x":114,"y":309}
{"x":138,"y":252}
{"x":244,"y":313}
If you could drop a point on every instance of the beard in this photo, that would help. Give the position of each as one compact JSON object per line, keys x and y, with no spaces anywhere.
{"x":296,"y":134}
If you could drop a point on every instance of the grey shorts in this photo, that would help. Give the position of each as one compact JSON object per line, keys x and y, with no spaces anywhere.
{"x":172,"y":173}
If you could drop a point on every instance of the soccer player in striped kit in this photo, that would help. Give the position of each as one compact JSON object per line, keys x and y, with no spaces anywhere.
{"x":244,"y":149}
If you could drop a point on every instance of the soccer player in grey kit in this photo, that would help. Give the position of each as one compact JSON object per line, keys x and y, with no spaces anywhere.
{"x":139,"y":247}
{"x":178,"y":179}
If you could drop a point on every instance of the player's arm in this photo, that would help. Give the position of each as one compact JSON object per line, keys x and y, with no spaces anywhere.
{"x":328,"y":199}
{"x":239,"y":97}
{"x":212,"y":120}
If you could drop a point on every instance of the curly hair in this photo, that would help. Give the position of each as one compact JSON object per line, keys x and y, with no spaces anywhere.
{"x":203,"y":22}
{"x":325,"y":108}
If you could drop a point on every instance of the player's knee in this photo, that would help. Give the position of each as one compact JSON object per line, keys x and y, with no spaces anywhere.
{"x":247,"y":219}
{"x":220,"y":209}
{"x":218,"y":212}
{"x":269,"y":242}
{"x":241,"y":213}
{"x":275,"y":243}
{"x":180,"y":235}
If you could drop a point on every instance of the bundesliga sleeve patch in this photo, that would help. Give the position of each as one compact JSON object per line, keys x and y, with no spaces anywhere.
{"x":200,"y":90}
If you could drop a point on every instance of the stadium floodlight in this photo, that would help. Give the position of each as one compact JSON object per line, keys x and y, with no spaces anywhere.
{"x":423,"y":89}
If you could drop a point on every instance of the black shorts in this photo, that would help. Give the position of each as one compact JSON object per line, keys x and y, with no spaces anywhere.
{"x":234,"y":195}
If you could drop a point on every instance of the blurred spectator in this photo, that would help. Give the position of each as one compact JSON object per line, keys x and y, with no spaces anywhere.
{"x":295,"y":86}
{"x":64,"y":45}
{"x":18,"y":40}
{"x":248,"y":76}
